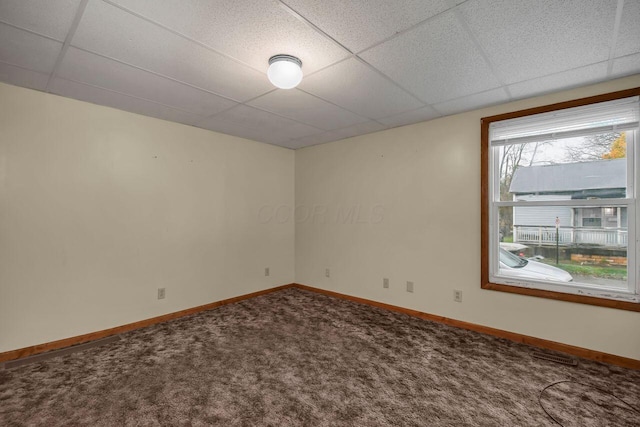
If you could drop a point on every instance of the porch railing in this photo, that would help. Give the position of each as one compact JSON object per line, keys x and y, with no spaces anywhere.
{"x":613,"y":237}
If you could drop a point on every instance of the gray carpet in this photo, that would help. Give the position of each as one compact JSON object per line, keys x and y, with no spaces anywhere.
{"x":296,"y":358}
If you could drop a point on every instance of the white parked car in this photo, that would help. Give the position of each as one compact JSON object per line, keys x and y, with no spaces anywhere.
{"x":515,"y":248}
{"x":513,"y":266}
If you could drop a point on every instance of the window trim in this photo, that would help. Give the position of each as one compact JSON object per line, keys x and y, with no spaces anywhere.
{"x":485,"y":177}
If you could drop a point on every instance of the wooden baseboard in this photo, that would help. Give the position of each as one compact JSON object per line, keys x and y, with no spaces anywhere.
{"x":533,"y":341}
{"x":524,"y":339}
{"x":67,"y":342}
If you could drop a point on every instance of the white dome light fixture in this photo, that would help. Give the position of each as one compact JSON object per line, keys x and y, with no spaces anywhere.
{"x":285,"y":71}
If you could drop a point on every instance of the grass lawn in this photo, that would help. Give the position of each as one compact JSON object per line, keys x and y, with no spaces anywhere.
{"x":619,"y":273}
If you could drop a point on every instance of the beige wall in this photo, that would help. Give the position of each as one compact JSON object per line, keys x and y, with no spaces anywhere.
{"x":414,"y":198}
{"x":99,"y":208}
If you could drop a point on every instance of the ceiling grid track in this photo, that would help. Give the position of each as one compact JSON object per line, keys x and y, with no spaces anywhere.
{"x":313,"y":26}
{"x":202,"y":118}
{"x":614,"y":37}
{"x":390,"y":80}
{"x":318,"y":30}
{"x":67,"y":41}
{"x":264,"y":111}
{"x":179,"y":34}
{"x":19,"y":66}
{"x":352,"y":55}
{"x":128,"y":95}
{"x":406,"y":30}
{"x":157,"y":74}
{"x":17,"y":27}
{"x":334,"y":104}
{"x":405,"y":112}
{"x":137,"y":15}
{"x":482,"y":52}
{"x":209,"y":48}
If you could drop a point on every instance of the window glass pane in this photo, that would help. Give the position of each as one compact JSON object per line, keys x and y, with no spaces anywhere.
{"x":571,"y":254}
{"x":592,"y":222}
{"x":563,"y":169}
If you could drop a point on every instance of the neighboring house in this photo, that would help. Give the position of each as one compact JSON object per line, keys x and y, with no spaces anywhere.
{"x":604,"y":226}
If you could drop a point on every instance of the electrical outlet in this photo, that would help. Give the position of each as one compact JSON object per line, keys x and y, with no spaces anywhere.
{"x":457,"y":295}
{"x":385,"y":283}
{"x":266,"y":271}
{"x":410,"y":287}
{"x":327,"y":272}
{"x":161,"y":293}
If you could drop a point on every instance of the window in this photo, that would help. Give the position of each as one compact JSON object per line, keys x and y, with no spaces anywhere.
{"x":559,"y":208}
{"x":592,"y":222}
{"x":592,"y":217}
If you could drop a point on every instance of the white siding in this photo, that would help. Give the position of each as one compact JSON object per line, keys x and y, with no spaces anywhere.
{"x":542,"y":215}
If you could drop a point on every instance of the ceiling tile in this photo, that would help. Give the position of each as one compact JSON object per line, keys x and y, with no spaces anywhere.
{"x":626,"y":66}
{"x":358,"y":24}
{"x":217,"y":124}
{"x":259,"y":125}
{"x":354,"y":86}
{"x":529,"y":39}
{"x":294,"y":145}
{"x":110,"y":31}
{"x":436,"y":62}
{"x":22,"y":77}
{"x":308,"y":141}
{"x":628,"y":40}
{"x":359,"y":129}
{"x":410,"y":117}
{"x":121,"y":102}
{"x":27,"y":50}
{"x":564,"y":80}
{"x":248,"y":30}
{"x":477,"y":100}
{"x":98,"y":71}
{"x":46,"y":17}
{"x":307,"y":108}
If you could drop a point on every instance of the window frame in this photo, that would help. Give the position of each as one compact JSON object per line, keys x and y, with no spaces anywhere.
{"x":485,"y":211}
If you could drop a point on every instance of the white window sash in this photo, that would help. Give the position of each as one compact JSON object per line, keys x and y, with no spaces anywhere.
{"x":619,"y":114}
{"x":628,"y":122}
{"x":572,"y":203}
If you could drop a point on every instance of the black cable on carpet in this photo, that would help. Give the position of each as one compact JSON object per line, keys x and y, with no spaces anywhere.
{"x":586,"y":385}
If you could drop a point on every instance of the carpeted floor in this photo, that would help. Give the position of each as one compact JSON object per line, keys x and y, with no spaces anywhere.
{"x":296,"y":358}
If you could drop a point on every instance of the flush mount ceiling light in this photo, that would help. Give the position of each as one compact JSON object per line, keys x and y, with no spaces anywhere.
{"x":285,"y":71}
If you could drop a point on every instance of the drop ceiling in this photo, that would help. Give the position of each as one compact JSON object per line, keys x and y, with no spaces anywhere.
{"x":369,"y":64}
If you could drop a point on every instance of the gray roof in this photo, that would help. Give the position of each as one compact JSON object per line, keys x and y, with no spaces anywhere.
{"x":566,"y":177}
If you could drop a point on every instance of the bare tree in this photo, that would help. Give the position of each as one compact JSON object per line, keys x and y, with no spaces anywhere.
{"x":510,"y":159}
{"x":513,"y":157}
{"x":593,"y":148}
{"x":509,"y":162}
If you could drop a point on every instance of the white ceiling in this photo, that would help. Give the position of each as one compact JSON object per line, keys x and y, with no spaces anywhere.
{"x":369,"y":64}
